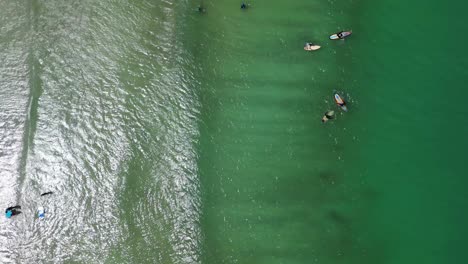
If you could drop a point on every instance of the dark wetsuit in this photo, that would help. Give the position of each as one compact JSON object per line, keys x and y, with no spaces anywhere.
{"x":327,"y":116}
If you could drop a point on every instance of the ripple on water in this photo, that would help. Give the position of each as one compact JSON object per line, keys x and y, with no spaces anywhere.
{"x":114,"y":132}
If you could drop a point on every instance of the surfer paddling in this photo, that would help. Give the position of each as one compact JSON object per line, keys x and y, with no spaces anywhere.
{"x":340,"y":102}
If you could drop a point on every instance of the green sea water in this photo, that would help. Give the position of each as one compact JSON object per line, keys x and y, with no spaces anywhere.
{"x":411,"y":95}
{"x":384,"y":183}
{"x":170,"y":136}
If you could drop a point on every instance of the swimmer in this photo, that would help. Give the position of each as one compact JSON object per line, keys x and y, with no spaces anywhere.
{"x":327,"y":116}
{"x":41,"y":212}
{"x":244,"y":5}
{"x":46,"y":193}
{"x":11,"y":211}
{"x":311,"y":46}
{"x":201,"y":9}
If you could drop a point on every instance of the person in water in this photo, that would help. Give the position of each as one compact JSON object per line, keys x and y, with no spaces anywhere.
{"x":46,"y":193}
{"x":41,"y":210}
{"x":340,"y":103}
{"x":201,"y":9}
{"x":311,"y":46}
{"x":341,"y":34}
{"x":244,"y":5}
{"x":327,"y":116}
{"x":11,"y":211}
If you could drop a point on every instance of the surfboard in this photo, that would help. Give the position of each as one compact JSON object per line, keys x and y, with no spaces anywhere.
{"x":340,"y":102}
{"x":311,"y":47}
{"x":344,"y":35}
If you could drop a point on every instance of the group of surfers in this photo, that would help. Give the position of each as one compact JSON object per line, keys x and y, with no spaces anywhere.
{"x":310,"y":46}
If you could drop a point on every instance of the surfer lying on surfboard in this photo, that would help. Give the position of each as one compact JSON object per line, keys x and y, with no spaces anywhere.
{"x":340,"y":102}
{"x":13,"y":210}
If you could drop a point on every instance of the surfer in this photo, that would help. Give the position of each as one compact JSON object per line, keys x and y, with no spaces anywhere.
{"x":327,"y":116}
{"x":244,"y":5}
{"x":340,"y":102}
{"x":341,"y":35}
{"x":311,"y":46}
{"x":201,"y":9}
{"x":13,"y":210}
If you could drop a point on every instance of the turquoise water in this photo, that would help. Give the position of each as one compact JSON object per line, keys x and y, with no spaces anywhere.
{"x":170,"y":136}
{"x":415,"y":130}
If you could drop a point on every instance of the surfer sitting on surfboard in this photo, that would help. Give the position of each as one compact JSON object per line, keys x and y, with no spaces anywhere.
{"x":341,"y":35}
{"x":327,"y":116}
{"x":311,"y":46}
